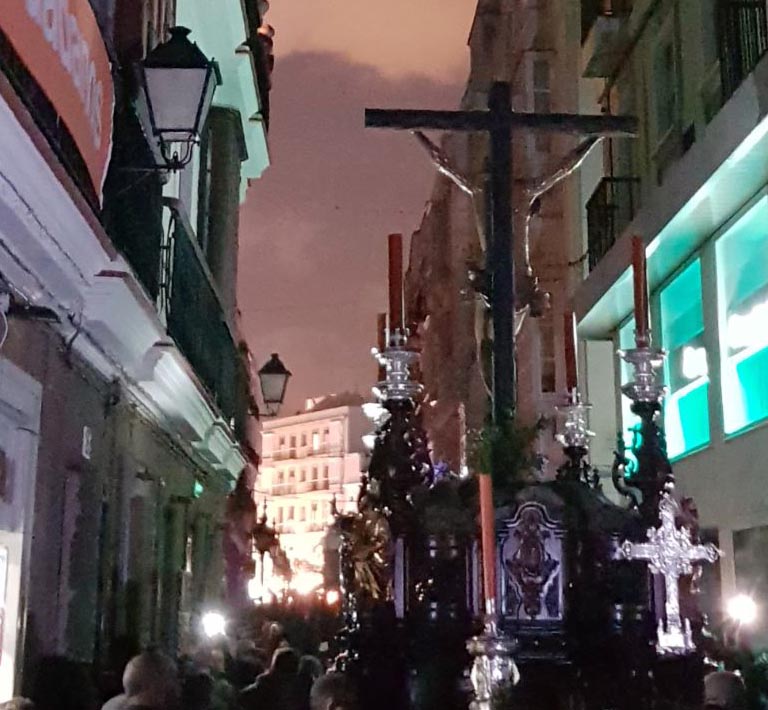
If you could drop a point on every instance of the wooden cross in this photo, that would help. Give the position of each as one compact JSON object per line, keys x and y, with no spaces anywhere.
{"x":670,"y":553}
{"x":499,"y":121}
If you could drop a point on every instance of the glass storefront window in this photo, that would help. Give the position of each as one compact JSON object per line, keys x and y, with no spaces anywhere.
{"x":686,"y":409}
{"x":742,"y":268}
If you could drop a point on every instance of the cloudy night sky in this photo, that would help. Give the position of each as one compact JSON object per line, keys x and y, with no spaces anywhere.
{"x":313,"y":229}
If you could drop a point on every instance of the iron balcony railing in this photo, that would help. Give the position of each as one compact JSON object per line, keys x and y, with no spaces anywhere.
{"x":592,"y":9}
{"x":742,"y":38}
{"x":610,"y":209}
{"x":199,"y":327}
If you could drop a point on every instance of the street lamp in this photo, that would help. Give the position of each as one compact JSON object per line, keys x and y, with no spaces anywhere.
{"x":273,"y":377}
{"x":178,"y":82}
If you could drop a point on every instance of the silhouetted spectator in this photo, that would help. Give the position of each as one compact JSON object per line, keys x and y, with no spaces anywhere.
{"x":150,"y":682}
{"x":247,"y":665}
{"x":278,"y":688}
{"x":196,"y":692}
{"x":333,"y":691}
{"x":17,"y":704}
{"x":62,"y":684}
{"x":310,"y":669}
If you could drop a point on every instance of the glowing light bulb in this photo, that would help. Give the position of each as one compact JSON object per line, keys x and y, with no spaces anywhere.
{"x":742,"y":609}
{"x":214,"y":624}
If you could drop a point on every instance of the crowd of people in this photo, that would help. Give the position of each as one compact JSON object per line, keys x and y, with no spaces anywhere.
{"x":265,"y":673}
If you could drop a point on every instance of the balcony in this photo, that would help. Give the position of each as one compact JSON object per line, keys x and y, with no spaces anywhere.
{"x":743,"y":40}
{"x":610,"y":209}
{"x":304,"y":452}
{"x":198,"y":325}
{"x":603,"y":35}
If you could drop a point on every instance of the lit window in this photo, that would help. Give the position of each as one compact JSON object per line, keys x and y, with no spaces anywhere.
{"x":742,"y":266}
{"x":315,"y":440}
{"x":686,"y":409}
{"x":665,"y":85}
{"x":293,"y":444}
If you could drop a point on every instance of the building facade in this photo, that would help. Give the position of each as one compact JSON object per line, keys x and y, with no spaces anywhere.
{"x":124,"y":403}
{"x":694,"y":185}
{"x":311,"y":461}
{"x":535,"y":47}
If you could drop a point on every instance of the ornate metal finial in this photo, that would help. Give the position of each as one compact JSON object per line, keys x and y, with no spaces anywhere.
{"x":646,"y":361}
{"x":576,"y":433}
{"x":494,"y":670}
{"x":670,"y":553}
{"x":575,"y":441}
{"x":397,"y":360}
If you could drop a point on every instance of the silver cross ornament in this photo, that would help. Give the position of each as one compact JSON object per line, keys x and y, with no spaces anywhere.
{"x":670,"y":553}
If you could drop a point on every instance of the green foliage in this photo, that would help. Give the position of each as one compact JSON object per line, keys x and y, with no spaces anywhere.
{"x":506,"y":451}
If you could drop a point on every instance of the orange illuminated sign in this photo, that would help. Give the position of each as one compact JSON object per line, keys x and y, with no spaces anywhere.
{"x":60,"y":44}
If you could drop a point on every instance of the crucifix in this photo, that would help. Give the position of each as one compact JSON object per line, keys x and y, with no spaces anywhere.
{"x":500,"y":122}
{"x":670,"y":553}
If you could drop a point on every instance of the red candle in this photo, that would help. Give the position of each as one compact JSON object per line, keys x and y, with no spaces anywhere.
{"x":395,"y":283}
{"x":640,"y":282}
{"x":569,"y":347}
{"x":488,"y":542}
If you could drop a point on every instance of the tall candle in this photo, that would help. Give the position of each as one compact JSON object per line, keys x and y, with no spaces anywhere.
{"x":395,"y":283}
{"x":569,"y":347}
{"x":640,"y":282}
{"x":488,"y":542}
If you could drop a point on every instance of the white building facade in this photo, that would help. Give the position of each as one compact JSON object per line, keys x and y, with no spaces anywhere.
{"x":308,"y":461}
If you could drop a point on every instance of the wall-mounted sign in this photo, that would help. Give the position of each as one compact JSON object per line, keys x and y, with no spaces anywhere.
{"x":61,"y":45}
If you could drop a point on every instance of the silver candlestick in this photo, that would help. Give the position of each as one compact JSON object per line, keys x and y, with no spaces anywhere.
{"x":493,"y":669}
{"x":576,"y":433}
{"x":397,"y":360}
{"x":646,"y":362}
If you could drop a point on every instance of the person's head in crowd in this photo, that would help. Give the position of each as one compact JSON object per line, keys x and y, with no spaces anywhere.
{"x":17,"y":704}
{"x":151,"y":680}
{"x":285,"y":661}
{"x":333,"y":691}
{"x":59,"y":683}
{"x":724,"y":690}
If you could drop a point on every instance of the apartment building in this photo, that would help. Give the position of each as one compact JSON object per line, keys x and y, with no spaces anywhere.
{"x":694,"y":185}
{"x":535,"y":47}
{"x":310,"y":460}
{"x":124,"y":398}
